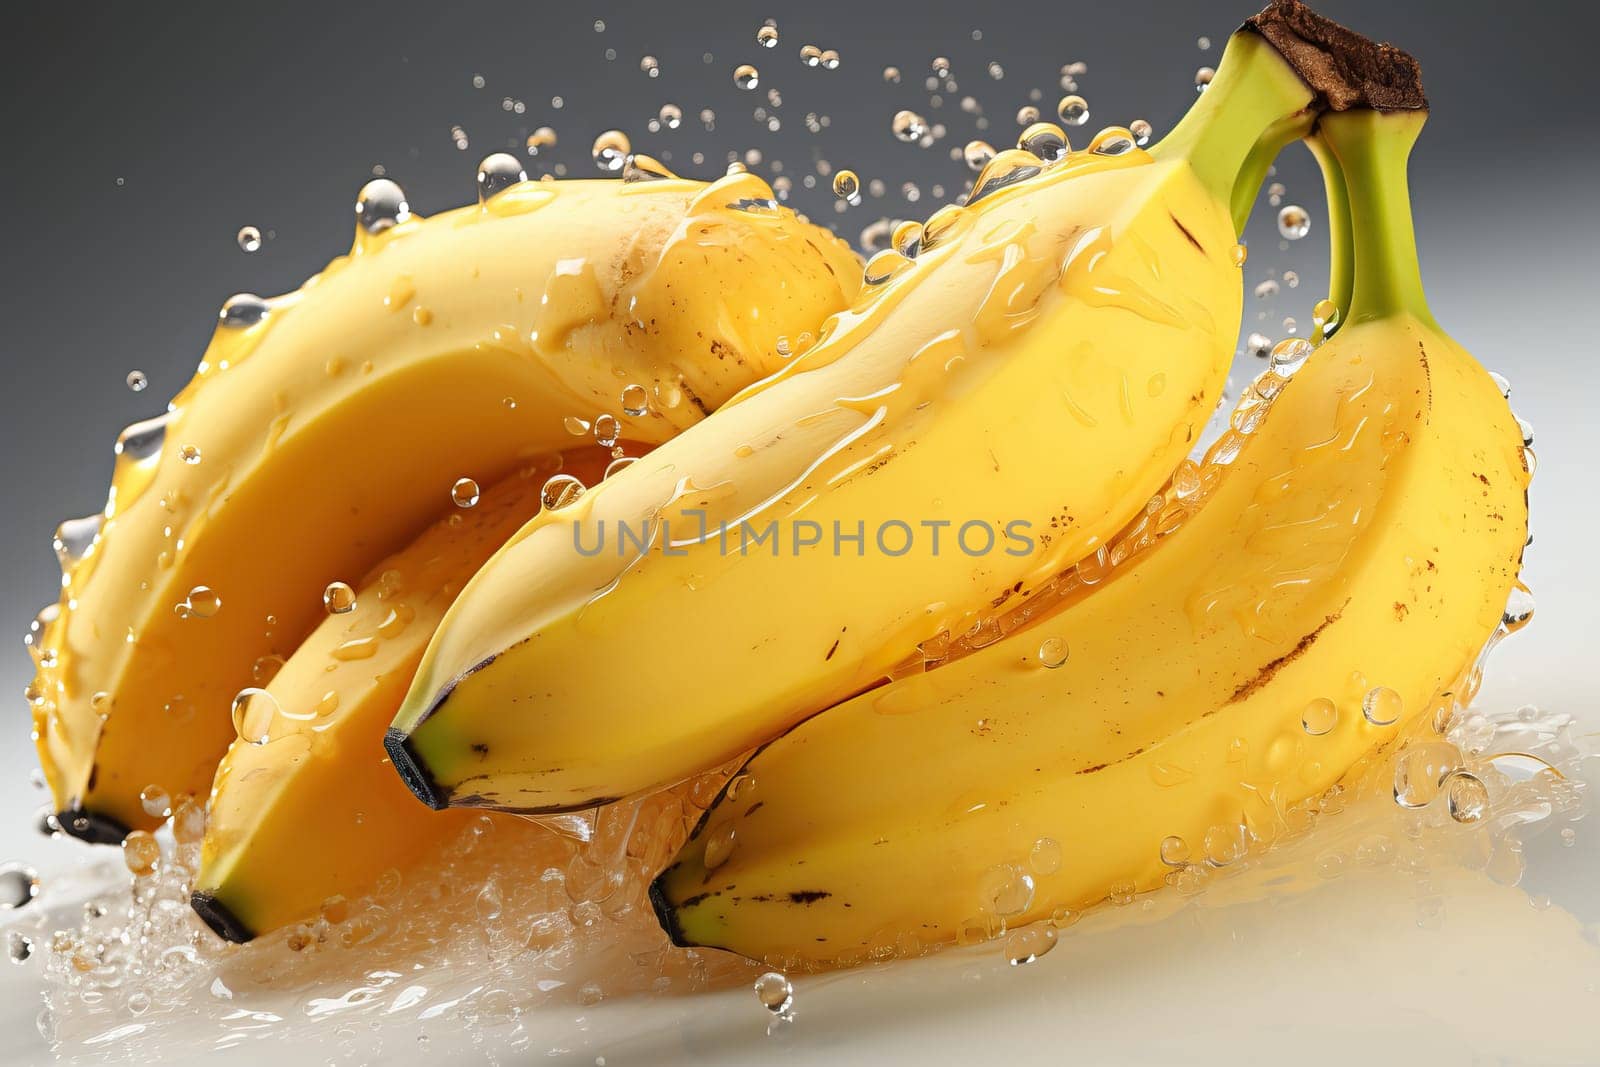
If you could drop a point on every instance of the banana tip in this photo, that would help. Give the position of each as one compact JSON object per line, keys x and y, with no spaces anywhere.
{"x":666,"y":913}
{"x":89,"y":826}
{"x":413,"y":772}
{"x":217,"y":915}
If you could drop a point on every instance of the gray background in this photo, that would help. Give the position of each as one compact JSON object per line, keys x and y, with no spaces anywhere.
{"x":135,"y":140}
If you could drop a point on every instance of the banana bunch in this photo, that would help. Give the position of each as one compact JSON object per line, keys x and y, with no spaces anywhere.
{"x":1018,"y":376}
{"x":325,"y":429}
{"x":1320,"y":585}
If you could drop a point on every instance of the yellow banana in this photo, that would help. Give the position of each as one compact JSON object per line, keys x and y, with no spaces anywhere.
{"x":325,"y":428}
{"x":305,"y":807}
{"x":1363,"y":527}
{"x":1027,"y":378}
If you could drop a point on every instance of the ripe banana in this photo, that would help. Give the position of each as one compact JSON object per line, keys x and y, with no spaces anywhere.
{"x":324,"y":429}
{"x":1363,"y":525}
{"x":305,"y":807}
{"x":1020,"y":374}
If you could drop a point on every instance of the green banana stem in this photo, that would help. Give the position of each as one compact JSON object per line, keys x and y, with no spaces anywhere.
{"x":1341,"y":258}
{"x":1256,"y":165}
{"x":1370,"y":149}
{"x":1255,"y":94}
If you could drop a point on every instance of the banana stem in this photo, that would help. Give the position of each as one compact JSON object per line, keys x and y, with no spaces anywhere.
{"x":1341,"y":258}
{"x":1370,"y":150}
{"x":1254,"y":97}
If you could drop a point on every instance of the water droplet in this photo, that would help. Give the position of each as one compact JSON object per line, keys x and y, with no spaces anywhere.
{"x":1029,"y":943}
{"x":1073,"y":110}
{"x":908,"y":126}
{"x":747,"y":77}
{"x":1045,"y":856}
{"x":606,"y":430}
{"x":156,"y":801}
{"x":1420,"y":771}
{"x":1519,"y":608}
{"x":242,"y":310}
{"x":137,"y":381}
{"x":1320,"y":716}
{"x":635,"y":400}
{"x":767,"y":37}
{"x":1290,"y":355}
{"x":1202,"y":78}
{"x":188,"y":821}
{"x":1466,"y":797}
{"x":338,"y":598}
{"x":141,"y":852}
{"x":540,"y":139}
{"x":1112,"y":141}
{"x":775,"y":992}
{"x":650,"y":66}
{"x":940,"y":67}
{"x":1294,"y":222}
{"x":380,"y":205}
{"x":202,"y":603}
{"x":611,"y":150}
{"x":498,"y":173}
{"x":847,"y":187}
{"x":465,"y":493}
{"x":1005,"y":891}
{"x":891,"y":75}
{"x":254,"y":711}
{"x":719,"y":847}
{"x":560,"y":491}
{"x":1382,"y":706}
{"x":19,"y":886}
{"x":1045,"y":140}
{"x":249,"y":239}
{"x":1027,"y":115}
{"x":671,"y":116}
{"x":1258,"y":345}
{"x":1174,"y":851}
{"x":1053,"y":652}
{"x":19,"y":946}
{"x":1142,"y":132}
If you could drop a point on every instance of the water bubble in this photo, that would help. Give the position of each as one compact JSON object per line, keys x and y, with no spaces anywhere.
{"x":465,"y":493}
{"x":1466,"y":797}
{"x":141,"y":852}
{"x":1142,"y":132}
{"x":254,"y":711}
{"x":891,"y":75}
{"x":1320,"y":716}
{"x":635,"y":400}
{"x":1291,"y":279}
{"x":1029,"y":943}
{"x":497,"y":173}
{"x":249,"y":239}
{"x":767,"y":37}
{"x":202,"y":603}
{"x":242,"y":310}
{"x":1382,"y":706}
{"x":1005,"y":891}
{"x":775,"y":992}
{"x":540,"y":139}
{"x":1258,"y":345}
{"x":1112,"y":141}
{"x":650,"y":66}
{"x":1202,"y":78}
{"x":671,"y":116}
{"x":847,"y":187}
{"x":1290,"y":355}
{"x":1266,"y":289}
{"x":746,"y":76}
{"x":1174,"y":851}
{"x":1046,"y":141}
{"x":560,"y":491}
{"x":338,"y":598}
{"x":611,"y":150}
{"x":1073,"y":110}
{"x":1294,"y":222}
{"x":940,"y":67}
{"x":1420,"y":772}
{"x":907,"y":239}
{"x":1045,"y":856}
{"x":830,"y":59}
{"x":977,"y":154}
{"x":380,"y":205}
{"x":156,"y":801}
{"x":606,"y":430}
{"x":908,"y":126}
{"x":1027,"y":115}
{"x":1053,"y":652}
{"x":1519,"y":608}
{"x":19,"y":886}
